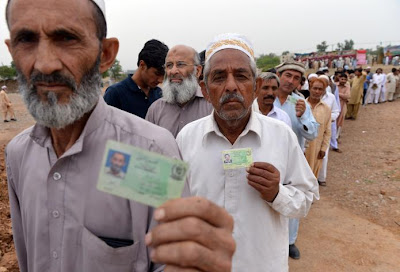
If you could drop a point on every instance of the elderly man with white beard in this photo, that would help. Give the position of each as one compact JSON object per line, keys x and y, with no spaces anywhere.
{"x":182,"y":100}
{"x":60,"y":221}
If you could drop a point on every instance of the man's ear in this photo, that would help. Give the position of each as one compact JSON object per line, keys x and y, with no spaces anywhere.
{"x":109,"y":53}
{"x":199,"y":68}
{"x":204,"y":91}
{"x":8,"y":43}
{"x":142,"y":65}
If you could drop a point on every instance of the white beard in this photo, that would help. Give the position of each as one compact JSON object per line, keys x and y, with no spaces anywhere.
{"x":180,"y":93}
{"x":52,"y":114}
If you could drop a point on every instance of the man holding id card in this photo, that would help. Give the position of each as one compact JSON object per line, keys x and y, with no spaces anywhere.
{"x":63,"y":219}
{"x":245,"y":162}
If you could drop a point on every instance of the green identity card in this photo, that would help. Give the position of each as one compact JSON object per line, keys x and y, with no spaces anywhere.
{"x":237,"y":158}
{"x":291,"y":99}
{"x":140,"y":175}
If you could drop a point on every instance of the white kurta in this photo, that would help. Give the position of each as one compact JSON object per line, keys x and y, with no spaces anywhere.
{"x":261,"y":228}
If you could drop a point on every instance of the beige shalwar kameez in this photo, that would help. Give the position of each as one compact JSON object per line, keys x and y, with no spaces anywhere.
{"x":356,"y":95}
{"x":5,"y":105}
{"x":322,"y":114}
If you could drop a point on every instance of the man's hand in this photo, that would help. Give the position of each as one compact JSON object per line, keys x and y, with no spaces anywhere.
{"x":321,"y":155}
{"x":300,"y":107}
{"x":194,"y":234}
{"x":265,"y":178}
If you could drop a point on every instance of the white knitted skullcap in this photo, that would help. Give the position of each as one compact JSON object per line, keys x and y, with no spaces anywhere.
{"x":230,"y":41}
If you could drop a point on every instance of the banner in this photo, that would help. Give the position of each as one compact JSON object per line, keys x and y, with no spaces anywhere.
{"x":391,"y":51}
{"x":361,"y":57}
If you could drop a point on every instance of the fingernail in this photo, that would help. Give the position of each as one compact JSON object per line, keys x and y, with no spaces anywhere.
{"x":152,"y":254}
{"x":248,"y":169}
{"x":159,"y":214}
{"x":148,"y":239}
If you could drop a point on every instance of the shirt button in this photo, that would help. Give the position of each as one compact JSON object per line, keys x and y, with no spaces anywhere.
{"x":55,"y":214}
{"x":55,"y":255}
{"x":231,"y":174}
{"x":56,"y":176}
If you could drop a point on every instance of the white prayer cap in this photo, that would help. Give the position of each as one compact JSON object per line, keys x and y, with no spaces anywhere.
{"x":310,"y":76}
{"x":324,"y":77}
{"x":230,"y":41}
{"x":4,"y":87}
{"x":369,"y":67}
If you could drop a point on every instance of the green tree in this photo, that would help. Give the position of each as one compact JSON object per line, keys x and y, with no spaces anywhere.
{"x":322,"y":47}
{"x":265,"y":62}
{"x":7,"y":72}
{"x":115,"y":71}
{"x":347,"y":45}
{"x":105,"y":74}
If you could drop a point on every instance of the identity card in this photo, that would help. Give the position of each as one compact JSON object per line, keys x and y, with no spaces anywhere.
{"x":237,"y":158}
{"x":140,"y":175}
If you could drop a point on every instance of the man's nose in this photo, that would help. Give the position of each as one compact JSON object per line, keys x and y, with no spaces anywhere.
{"x":47,"y":60}
{"x":230,"y":85}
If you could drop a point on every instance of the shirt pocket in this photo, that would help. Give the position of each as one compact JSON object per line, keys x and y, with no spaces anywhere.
{"x":97,"y":256}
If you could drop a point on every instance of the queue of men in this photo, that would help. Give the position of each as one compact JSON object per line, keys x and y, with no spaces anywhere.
{"x":243,"y":219}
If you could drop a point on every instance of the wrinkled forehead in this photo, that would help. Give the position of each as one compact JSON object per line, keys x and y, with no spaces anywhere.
{"x":181,"y":52}
{"x":230,"y":58}
{"x":270,"y":81}
{"x":34,"y":10}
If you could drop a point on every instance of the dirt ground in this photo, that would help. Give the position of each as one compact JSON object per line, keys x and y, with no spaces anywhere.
{"x":355,"y":226}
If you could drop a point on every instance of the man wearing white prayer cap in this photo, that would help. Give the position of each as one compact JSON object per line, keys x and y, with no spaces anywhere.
{"x":60,"y":221}
{"x":271,"y":183}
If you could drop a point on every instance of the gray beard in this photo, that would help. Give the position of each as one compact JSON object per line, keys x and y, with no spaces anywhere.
{"x":180,"y":93}
{"x":52,"y":114}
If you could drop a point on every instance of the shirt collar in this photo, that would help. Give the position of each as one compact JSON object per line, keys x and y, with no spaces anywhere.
{"x":199,"y":92}
{"x":272,"y":111}
{"x":320,"y":102}
{"x":253,"y":125}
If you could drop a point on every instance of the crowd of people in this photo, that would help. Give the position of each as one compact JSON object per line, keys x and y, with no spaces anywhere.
{"x":181,"y":104}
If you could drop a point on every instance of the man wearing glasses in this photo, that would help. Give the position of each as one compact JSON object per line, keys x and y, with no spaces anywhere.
{"x":182,"y":100}
{"x":137,"y":92}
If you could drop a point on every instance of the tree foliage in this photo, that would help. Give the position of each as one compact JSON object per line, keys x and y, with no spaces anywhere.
{"x":115,"y":71}
{"x":322,"y":47}
{"x":347,"y":45}
{"x":265,"y":62}
{"x":7,"y":72}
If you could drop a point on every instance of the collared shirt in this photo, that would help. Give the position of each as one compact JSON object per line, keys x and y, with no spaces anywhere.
{"x":275,"y":113}
{"x":58,"y":214}
{"x":330,"y":100}
{"x":305,"y":127}
{"x":261,"y":228}
{"x":173,"y":117}
{"x":377,"y":79}
{"x":127,"y":96}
